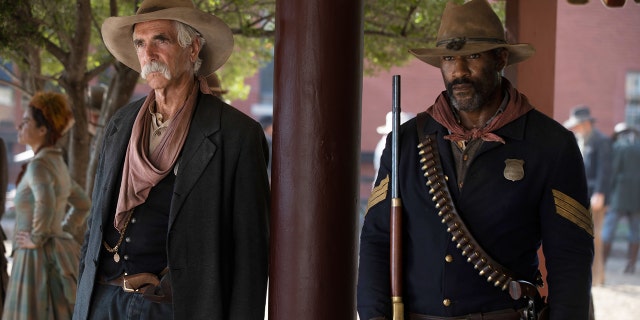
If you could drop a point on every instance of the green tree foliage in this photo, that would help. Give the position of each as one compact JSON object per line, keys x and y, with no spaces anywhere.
{"x":392,"y":27}
{"x":56,"y":44}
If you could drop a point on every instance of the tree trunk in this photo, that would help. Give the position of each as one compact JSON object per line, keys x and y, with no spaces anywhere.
{"x":75,"y":81}
{"x":78,"y":148}
{"x":119,"y":93}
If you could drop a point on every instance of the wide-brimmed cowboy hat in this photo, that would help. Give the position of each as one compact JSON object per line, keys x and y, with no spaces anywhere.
{"x":117,"y":32}
{"x":470,"y":28}
{"x":578,"y":115}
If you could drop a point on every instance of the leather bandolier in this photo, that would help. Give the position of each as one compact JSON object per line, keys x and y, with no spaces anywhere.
{"x":487,"y":267}
{"x":481,"y":261}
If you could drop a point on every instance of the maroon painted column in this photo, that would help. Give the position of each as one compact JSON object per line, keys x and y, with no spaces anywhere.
{"x":534,"y":22}
{"x":316,"y":152}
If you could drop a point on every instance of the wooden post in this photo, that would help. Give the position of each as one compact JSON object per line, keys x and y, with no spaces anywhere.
{"x":536,"y":79}
{"x":316,"y":154}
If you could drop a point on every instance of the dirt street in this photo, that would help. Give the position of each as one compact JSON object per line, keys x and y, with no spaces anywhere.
{"x":619,"y":298}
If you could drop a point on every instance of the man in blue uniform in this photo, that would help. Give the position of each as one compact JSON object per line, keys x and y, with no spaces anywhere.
{"x":484,"y":180}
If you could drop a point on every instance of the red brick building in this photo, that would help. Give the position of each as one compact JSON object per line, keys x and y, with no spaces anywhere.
{"x":598,"y":62}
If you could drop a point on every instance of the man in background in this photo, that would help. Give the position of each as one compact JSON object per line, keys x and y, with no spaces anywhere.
{"x":595,"y":147}
{"x":267,"y":126}
{"x":625,"y":195}
{"x":4,"y":182}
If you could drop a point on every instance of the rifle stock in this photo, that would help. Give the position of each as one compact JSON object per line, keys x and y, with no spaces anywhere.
{"x":396,"y":207}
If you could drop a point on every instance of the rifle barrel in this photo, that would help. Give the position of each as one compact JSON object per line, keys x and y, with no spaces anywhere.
{"x":395,"y":136}
{"x":396,"y":207}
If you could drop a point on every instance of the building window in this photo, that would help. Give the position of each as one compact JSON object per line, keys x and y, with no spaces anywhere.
{"x":6,"y":93}
{"x":266,"y":84}
{"x":264,"y":106}
{"x":632,"y":115}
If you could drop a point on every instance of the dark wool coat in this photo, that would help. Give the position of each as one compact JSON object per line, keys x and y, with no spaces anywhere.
{"x":510,"y":218}
{"x":626,"y":177}
{"x":217,"y":241}
{"x":597,"y":163}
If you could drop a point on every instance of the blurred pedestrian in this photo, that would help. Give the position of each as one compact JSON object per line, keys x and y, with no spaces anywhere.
{"x":45,"y":256}
{"x":595,"y":147}
{"x":267,"y":126}
{"x":625,"y":187}
{"x":4,"y":181}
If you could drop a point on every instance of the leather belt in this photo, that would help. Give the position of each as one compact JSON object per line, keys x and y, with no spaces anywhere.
{"x":134,"y":283}
{"x":506,"y":314}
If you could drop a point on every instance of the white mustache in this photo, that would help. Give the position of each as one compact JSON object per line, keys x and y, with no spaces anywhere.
{"x":155,"y":66}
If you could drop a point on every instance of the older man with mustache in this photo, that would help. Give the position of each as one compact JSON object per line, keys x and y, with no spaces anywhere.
{"x":179,"y":223}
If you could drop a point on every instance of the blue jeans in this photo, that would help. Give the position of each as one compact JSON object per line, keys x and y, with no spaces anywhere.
{"x":112,"y":303}
{"x":611,"y":222}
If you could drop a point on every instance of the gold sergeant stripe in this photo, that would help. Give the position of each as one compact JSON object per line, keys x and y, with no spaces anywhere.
{"x":573,"y":211}
{"x":378,"y":193}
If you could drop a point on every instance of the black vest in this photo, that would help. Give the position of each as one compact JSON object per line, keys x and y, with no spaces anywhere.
{"x":143,"y":248}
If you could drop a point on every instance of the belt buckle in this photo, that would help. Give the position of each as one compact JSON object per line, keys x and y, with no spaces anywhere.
{"x":126,"y":288}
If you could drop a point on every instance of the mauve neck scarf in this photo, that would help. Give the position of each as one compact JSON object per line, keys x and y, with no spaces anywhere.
{"x":142,"y":171}
{"x":442,"y":112}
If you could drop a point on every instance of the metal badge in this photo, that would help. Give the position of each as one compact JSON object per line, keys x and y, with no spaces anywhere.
{"x":514,"y":169}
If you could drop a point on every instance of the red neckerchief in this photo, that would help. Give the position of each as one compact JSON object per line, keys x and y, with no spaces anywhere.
{"x":142,"y":171}
{"x":517,"y":106}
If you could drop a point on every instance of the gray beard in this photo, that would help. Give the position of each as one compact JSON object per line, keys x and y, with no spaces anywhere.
{"x":468,"y":105}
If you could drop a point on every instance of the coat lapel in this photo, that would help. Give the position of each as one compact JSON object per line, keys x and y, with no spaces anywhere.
{"x":115,"y":147}
{"x":198,"y":150}
{"x":513,"y":130}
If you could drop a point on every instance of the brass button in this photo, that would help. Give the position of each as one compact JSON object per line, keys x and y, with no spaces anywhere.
{"x":448,"y":258}
{"x":465,"y":157}
{"x":446,"y":302}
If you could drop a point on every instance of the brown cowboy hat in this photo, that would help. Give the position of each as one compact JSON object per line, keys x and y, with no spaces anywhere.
{"x":117,"y":32}
{"x":470,"y":28}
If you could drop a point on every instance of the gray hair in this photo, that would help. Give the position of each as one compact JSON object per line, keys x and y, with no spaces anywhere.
{"x":186,"y":34}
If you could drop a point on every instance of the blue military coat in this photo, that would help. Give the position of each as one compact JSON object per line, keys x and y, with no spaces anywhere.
{"x":510,"y":219}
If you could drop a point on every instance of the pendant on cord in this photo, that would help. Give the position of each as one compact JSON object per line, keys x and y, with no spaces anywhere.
{"x":116,"y":257}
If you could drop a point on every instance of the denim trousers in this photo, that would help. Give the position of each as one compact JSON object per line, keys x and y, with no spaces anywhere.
{"x":111,"y":303}
{"x":611,"y":222}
